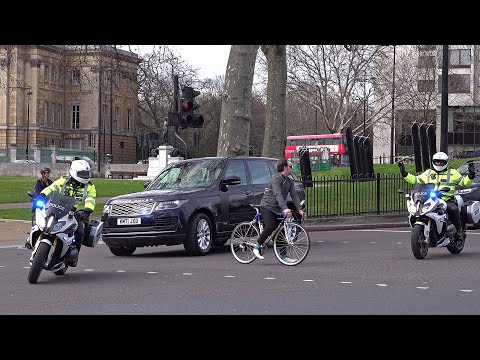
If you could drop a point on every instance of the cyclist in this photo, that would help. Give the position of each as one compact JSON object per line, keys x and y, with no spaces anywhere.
{"x":274,"y":202}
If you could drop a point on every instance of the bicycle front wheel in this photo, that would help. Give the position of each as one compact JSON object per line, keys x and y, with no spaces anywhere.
{"x":291,"y":246}
{"x":243,"y":239}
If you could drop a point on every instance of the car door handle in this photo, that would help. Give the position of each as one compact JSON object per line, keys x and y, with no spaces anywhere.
{"x":247,"y":192}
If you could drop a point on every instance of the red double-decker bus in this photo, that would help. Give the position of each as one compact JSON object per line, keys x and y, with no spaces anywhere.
{"x":336,"y":143}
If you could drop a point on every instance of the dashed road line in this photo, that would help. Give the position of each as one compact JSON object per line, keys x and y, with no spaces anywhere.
{"x":381,"y":284}
{"x":269,"y":278}
{"x":468,"y":291}
{"x":422,"y":287}
{"x":345,"y":282}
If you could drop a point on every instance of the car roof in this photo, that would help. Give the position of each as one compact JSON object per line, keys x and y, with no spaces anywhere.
{"x":226,"y":157}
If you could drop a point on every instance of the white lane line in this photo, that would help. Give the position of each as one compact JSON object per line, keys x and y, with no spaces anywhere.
{"x":381,"y":284}
{"x":373,"y":242}
{"x":89,"y":270}
{"x":399,"y":243}
{"x":120,"y":271}
{"x":320,"y":241}
{"x":345,"y":242}
{"x":469,"y":291}
{"x":308,"y":280}
{"x":378,"y":230}
{"x":2,"y":266}
{"x":422,"y":287}
{"x":26,"y":267}
{"x":269,"y":278}
{"x":229,"y":276}
{"x":345,"y":282}
{"x":152,"y":272}
{"x":187,"y":274}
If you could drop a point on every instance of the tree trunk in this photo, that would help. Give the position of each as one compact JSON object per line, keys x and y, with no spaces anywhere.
{"x":236,"y":102}
{"x":275,"y":129}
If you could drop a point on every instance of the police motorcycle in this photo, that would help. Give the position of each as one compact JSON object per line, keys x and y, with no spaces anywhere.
{"x":429,"y":219}
{"x":52,"y":235}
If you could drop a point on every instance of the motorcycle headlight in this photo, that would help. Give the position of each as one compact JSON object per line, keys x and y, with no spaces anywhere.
{"x":58,"y":226}
{"x":426,"y":206}
{"x":107,"y":209}
{"x":412,"y":208}
{"x":40,"y":218}
{"x":165,"y":205}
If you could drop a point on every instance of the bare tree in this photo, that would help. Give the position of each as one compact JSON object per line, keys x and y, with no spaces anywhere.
{"x":236,"y":102}
{"x":274,"y":138}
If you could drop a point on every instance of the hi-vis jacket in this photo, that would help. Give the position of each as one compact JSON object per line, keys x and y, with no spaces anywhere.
{"x":85,"y":194}
{"x":446,"y":178}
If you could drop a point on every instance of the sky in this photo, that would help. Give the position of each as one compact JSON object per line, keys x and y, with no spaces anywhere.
{"x":211,"y":60}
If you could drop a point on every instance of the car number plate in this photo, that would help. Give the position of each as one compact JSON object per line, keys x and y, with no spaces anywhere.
{"x":129,"y":221}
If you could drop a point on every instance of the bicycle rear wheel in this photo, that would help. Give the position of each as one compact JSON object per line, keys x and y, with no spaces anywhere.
{"x":243,"y":239}
{"x":291,"y":248}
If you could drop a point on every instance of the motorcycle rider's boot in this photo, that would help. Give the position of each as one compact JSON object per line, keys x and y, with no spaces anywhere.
{"x":72,"y":256}
{"x":460,"y":234}
{"x":27,"y":243}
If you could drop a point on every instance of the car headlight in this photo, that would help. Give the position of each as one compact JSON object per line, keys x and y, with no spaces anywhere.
{"x":165,"y":205}
{"x":58,"y":226}
{"x":107,"y":209}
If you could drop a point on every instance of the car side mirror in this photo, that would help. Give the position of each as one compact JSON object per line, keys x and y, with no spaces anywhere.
{"x":230,"y":180}
{"x":145,"y":185}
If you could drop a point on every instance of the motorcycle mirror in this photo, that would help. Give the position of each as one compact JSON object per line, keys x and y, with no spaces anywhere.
{"x":400,"y":191}
{"x":445,"y":189}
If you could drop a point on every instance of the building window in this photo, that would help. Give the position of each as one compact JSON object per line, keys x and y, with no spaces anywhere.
{"x":91,"y":140}
{"x":129,"y":119}
{"x":129,"y":84}
{"x":426,"y":86}
{"x":458,"y":58}
{"x":105,"y":112}
{"x":457,"y":83}
{"x":54,"y":75}
{"x":53,"y":114}
{"x":45,"y":74}
{"x":47,"y":142}
{"x":45,"y":113}
{"x":117,"y":118}
{"x":76,"y":77}
{"x":426,"y":62}
{"x":76,"y":117}
{"x":59,"y":115}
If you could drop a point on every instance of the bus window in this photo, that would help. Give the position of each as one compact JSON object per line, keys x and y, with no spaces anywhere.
{"x":328,"y":141}
{"x":337,"y":141}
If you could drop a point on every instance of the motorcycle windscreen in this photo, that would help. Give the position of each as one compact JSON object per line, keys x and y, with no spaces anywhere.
{"x":59,"y":205}
{"x":421,"y":192}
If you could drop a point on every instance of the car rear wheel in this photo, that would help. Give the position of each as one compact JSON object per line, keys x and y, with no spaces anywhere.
{"x":122,"y":251}
{"x":199,"y":236}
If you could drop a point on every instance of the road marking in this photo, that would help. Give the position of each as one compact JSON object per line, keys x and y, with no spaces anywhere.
{"x":379,"y":230}
{"x":399,"y":243}
{"x":26,"y":267}
{"x":345,"y":282}
{"x":373,"y":242}
{"x":187,"y":274}
{"x":319,"y":240}
{"x":229,"y":276}
{"x":308,"y":280}
{"x":381,"y":284}
{"x":2,"y":266}
{"x":269,"y":278}
{"x":152,"y":272}
{"x":345,"y":242}
{"x":469,"y":291}
{"x":120,"y":271}
{"x":89,"y":270}
{"x":422,"y":287}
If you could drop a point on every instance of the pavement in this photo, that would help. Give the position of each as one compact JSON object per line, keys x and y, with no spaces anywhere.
{"x":15,"y":232}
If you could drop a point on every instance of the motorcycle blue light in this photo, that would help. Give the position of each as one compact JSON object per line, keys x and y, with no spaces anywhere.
{"x":39,"y":203}
{"x":433,"y":194}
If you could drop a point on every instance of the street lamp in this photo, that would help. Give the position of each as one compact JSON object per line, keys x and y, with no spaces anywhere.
{"x":28,"y":120}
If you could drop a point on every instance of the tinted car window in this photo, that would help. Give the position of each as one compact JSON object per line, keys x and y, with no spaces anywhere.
{"x":187,"y":175}
{"x":259,"y":172}
{"x":237,"y":168}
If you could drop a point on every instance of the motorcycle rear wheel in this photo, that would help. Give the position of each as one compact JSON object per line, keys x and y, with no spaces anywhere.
{"x":418,"y":243}
{"x":457,"y":246}
{"x":38,"y":262}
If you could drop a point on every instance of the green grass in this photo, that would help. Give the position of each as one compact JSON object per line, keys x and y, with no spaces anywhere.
{"x":26,"y":213}
{"x":14,"y":189}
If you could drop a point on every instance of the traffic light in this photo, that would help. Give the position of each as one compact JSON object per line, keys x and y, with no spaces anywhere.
{"x":187,"y":105}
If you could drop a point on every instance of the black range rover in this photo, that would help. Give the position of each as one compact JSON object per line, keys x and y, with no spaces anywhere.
{"x":195,"y":202}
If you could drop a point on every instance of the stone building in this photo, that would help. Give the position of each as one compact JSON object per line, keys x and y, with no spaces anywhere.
{"x":50,"y":95}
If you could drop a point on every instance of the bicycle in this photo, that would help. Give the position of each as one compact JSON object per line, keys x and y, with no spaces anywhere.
{"x":290,"y":239}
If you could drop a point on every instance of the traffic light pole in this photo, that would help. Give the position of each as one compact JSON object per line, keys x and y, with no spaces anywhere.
{"x":175,"y":108}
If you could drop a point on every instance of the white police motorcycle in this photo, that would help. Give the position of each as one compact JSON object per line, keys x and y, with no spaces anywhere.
{"x":53,"y":234}
{"x":429,"y":219}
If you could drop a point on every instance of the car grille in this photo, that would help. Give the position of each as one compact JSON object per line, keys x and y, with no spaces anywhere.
{"x":132,"y":209}
{"x":166,"y":223}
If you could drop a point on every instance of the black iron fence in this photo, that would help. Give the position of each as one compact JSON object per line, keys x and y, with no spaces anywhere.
{"x":342,"y":195}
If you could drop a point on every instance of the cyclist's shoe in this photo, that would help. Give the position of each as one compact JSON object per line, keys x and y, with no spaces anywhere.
{"x":288,"y":260}
{"x":256,"y":251}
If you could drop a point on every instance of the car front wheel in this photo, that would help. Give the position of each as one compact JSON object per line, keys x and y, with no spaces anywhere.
{"x":199,"y":236}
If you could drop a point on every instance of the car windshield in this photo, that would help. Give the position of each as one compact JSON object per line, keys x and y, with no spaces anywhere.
{"x":188,"y":175}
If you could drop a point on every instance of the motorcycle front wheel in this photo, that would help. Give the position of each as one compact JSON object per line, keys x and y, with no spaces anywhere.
{"x":419,"y":245}
{"x":38,"y":262}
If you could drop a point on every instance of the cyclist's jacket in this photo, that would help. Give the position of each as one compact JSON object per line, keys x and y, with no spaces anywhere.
{"x":84,"y":194}
{"x":275,"y":195}
{"x":446,"y":178}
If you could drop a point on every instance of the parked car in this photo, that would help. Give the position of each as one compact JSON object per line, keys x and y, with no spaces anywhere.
{"x":70,"y":158}
{"x":195,"y":202}
{"x":473,"y":193}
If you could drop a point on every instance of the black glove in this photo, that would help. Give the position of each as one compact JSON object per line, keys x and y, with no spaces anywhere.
{"x":402,"y":169}
{"x":471,"y":171}
{"x":83,"y":215}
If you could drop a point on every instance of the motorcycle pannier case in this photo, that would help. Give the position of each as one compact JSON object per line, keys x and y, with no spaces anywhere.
{"x":473,"y":211}
{"x":93,"y":232}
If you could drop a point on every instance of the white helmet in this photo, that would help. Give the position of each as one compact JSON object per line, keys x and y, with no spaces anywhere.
{"x":80,"y":171}
{"x":440,"y":161}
